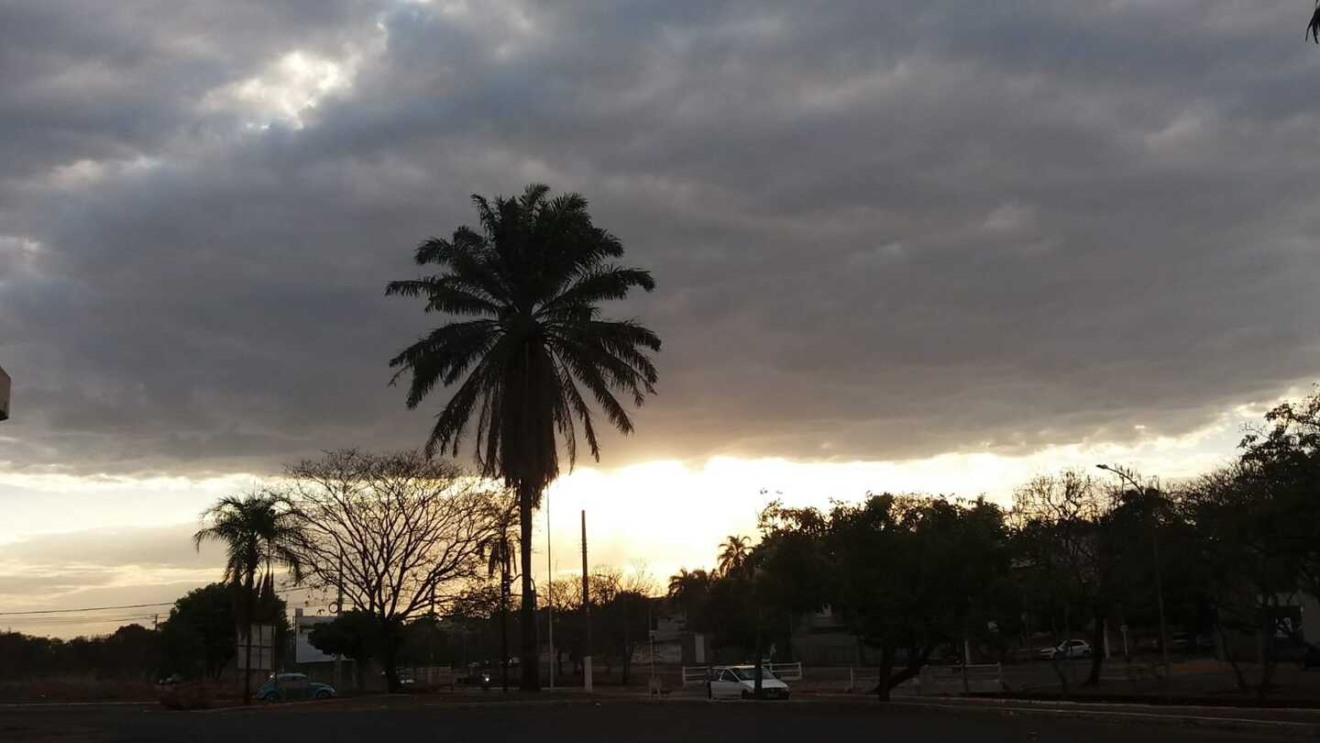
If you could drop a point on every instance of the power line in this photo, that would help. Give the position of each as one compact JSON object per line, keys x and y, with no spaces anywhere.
{"x":86,"y":608}
{"x":294,"y":589}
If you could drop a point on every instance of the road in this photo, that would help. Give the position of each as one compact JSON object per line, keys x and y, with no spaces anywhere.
{"x":553,"y":721}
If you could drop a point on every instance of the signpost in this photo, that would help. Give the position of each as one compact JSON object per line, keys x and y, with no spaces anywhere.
{"x":4,"y":395}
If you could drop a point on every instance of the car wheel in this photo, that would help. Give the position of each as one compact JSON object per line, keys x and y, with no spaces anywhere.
{"x":323,"y":694}
{"x":746,"y":694}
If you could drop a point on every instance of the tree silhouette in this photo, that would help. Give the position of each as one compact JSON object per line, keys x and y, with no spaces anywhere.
{"x":259,"y":532}
{"x":532,"y":279}
{"x":733,"y":553}
{"x":394,"y":533}
{"x":689,"y":590}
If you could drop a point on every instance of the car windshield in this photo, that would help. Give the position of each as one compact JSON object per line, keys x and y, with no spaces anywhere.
{"x":749,"y":674}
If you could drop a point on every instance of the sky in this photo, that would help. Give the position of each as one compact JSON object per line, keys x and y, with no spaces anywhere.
{"x":901,"y":246}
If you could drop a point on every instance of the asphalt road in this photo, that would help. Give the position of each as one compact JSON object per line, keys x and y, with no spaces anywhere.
{"x":556,"y":721}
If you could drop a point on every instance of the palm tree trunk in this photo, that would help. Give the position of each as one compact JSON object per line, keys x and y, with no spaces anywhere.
{"x":531,"y":676}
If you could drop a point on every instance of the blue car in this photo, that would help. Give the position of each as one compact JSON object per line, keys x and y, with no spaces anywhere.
{"x":288,"y":686}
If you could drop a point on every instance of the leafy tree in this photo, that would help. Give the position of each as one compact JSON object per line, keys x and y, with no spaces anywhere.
{"x":1252,"y":568}
{"x":532,"y":280}
{"x":358,"y":635}
{"x":259,"y":533}
{"x":200,"y":636}
{"x":906,"y":573}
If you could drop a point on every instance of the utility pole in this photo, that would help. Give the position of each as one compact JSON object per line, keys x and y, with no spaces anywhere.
{"x":586,"y":612}
{"x":435,"y":621}
{"x":339,"y":610}
{"x":549,"y":591}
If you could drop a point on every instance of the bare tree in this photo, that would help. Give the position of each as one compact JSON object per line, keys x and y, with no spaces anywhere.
{"x":395,"y":533}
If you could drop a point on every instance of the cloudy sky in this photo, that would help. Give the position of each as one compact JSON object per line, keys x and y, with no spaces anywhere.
{"x":899,"y":246}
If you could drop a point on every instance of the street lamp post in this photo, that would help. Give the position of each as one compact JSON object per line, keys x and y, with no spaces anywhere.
{"x":1159,"y":581}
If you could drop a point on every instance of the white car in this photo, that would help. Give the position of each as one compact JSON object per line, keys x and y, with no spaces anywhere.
{"x":739,"y":682}
{"x":1067,"y":649}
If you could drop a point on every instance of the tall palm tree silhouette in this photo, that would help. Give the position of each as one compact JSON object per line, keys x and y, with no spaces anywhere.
{"x":259,"y":532}
{"x":532,"y":279}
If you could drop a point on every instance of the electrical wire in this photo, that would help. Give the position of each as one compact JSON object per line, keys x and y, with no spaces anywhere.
{"x":37,"y":612}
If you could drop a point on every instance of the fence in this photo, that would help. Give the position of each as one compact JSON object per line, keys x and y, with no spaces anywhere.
{"x":782,"y":671}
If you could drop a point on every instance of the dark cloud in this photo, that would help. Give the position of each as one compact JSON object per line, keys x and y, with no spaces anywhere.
{"x":880,"y":229}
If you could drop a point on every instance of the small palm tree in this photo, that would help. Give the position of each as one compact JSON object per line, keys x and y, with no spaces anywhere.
{"x":733,"y":554}
{"x":688,"y":590}
{"x":259,"y":532}
{"x":531,"y":280}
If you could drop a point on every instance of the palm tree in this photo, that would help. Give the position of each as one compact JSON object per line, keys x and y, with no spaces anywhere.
{"x":531,"y":279}
{"x":688,"y":590}
{"x":259,"y":532}
{"x":733,"y":554}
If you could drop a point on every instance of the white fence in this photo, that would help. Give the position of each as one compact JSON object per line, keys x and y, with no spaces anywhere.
{"x":782,"y":671}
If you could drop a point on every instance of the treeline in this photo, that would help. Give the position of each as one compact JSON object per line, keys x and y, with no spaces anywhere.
{"x":130,"y":652}
{"x":1226,"y":553}
{"x":197,"y":640}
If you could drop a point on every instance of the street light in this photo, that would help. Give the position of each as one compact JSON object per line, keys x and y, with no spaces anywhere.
{"x":1159,"y":583}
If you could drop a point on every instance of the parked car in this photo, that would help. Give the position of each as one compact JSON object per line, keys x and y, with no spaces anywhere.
{"x":288,"y":686}
{"x":1067,"y":649}
{"x":739,"y":682}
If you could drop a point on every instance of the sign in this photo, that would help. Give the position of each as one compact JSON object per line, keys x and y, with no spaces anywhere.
{"x":263,"y":648}
{"x":4,"y":395}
